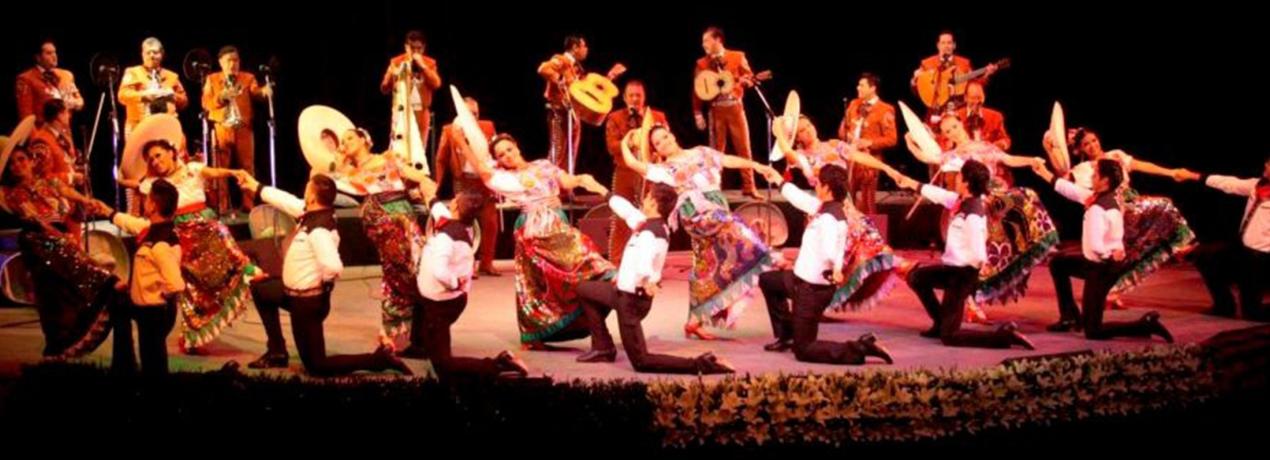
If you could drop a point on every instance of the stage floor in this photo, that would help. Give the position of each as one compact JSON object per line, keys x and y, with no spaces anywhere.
{"x":489,"y":325}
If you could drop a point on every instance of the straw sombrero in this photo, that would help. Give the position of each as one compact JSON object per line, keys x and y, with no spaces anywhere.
{"x":17,"y":137}
{"x":161,"y":126}
{"x":314,"y":120}
{"x":10,"y":143}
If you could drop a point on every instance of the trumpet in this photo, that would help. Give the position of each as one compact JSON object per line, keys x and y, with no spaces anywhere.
{"x":233,"y":117}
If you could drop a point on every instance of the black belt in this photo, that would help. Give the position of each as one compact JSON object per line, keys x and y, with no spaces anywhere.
{"x":318,"y":290}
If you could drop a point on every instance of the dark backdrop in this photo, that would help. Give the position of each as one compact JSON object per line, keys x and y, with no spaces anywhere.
{"x":1165,"y":85}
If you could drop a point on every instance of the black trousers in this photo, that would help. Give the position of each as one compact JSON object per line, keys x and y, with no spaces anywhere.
{"x":958,"y":284}
{"x":801,"y":323}
{"x":434,"y":322}
{"x":1099,"y":278}
{"x":269,"y":298}
{"x":1223,"y":264}
{"x":154,"y":323}
{"x":600,"y":297}
{"x":307,"y":315}
{"x":777,"y":288}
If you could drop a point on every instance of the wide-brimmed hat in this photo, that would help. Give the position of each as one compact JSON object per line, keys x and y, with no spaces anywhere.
{"x":313,"y":121}
{"x":161,"y":126}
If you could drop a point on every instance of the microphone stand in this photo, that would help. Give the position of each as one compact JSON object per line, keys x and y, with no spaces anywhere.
{"x":273,"y":129}
{"x":770,"y":141}
{"x":88,"y":155}
{"x":114,"y":138}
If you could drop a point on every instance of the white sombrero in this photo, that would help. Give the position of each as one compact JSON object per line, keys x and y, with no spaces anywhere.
{"x":10,"y":143}
{"x":793,"y":105}
{"x":161,"y":126}
{"x":17,"y":137}
{"x":314,"y":120}
{"x":928,"y":150}
{"x":1059,"y":157}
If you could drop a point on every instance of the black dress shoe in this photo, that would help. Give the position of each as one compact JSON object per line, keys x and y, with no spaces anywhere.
{"x":598,"y":356}
{"x":709,"y":364}
{"x":1066,"y":325}
{"x":869,"y":344}
{"x":932,"y":333}
{"x":413,"y":352}
{"x":779,"y":345}
{"x":509,"y":363}
{"x":231,"y":367}
{"x":270,"y":360}
{"x":1013,"y":337}
{"x":1153,"y":324}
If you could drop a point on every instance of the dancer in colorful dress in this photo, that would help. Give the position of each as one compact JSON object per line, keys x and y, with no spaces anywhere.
{"x":1155,"y":230}
{"x":217,"y":273}
{"x":72,"y":293}
{"x":552,"y":257}
{"x":727,"y":256}
{"x":1021,"y":234}
{"x":870,"y":262}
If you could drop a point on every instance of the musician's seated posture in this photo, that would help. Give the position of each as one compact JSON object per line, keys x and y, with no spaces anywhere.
{"x":982,"y":123}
